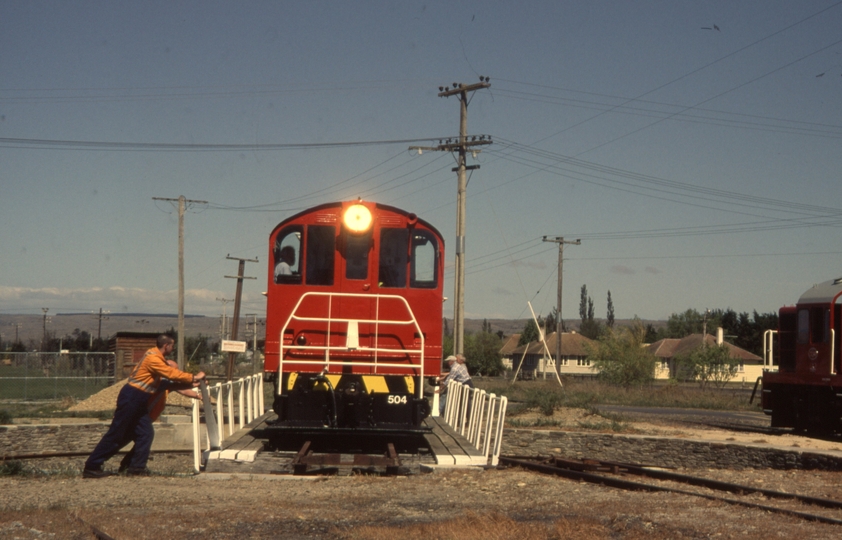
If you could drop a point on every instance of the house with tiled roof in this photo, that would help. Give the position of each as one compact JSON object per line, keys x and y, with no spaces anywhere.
{"x":507,"y":350}
{"x":667,"y":350}
{"x":536,"y":361}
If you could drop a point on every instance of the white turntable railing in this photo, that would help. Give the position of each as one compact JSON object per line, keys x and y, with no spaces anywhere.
{"x":352,"y":341}
{"x":247,"y":392}
{"x":478,"y":416}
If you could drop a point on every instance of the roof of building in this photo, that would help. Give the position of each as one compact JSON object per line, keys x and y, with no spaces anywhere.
{"x":572,"y":344}
{"x":672,"y":347}
{"x":509,"y":345}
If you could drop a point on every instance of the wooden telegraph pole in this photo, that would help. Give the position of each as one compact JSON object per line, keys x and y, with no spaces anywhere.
{"x":560,"y":241}
{"x":460,"y":148}
{"x":235,"y":324}
{"x":182,"y":204}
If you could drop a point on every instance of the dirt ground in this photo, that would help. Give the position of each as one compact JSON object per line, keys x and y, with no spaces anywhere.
{"x":487,"y":504}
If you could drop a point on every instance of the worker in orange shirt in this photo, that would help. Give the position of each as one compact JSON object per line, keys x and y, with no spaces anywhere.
{"x":157,"y":402}
{"x":132,"y":420}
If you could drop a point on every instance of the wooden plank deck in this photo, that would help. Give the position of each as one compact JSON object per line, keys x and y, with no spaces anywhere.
{"x":242,"y":449}
{"x":451,"y":448}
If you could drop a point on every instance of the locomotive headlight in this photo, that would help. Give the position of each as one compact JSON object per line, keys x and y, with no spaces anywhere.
{"x":357,"y":218}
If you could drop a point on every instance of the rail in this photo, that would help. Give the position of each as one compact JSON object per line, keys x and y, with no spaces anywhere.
{"x":478,"y":416}
{"x":249,"y":394}
{"x":352,"y":335}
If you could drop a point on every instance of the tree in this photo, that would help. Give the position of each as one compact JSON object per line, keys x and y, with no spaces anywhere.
{"x":589,"y":328}
{"x":620,"y":358}
{"x":689,"y":322}
{"x":609,"y":319}
{"x":740,"y":329}
{"x":550,"y":322}
{"x":583,"y":303}
{"x":197,"y":349}
{"x":486,"y":326}
{"x":706,"y":364}
{"x":530,"y":333}
{"x":482,"y":354}
{"x":651,"y":334}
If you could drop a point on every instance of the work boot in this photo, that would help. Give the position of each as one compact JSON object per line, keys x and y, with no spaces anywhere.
{"x":95,"y":473}
{"x":138,"y":471}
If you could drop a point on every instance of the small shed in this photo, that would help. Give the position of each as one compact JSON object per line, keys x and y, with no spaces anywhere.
{"x":129,"y":348}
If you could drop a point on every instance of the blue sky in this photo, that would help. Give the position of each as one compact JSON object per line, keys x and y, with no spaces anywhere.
{"x":692,"y":146}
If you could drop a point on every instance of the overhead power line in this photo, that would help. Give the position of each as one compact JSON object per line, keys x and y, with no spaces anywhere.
{"x":59,"y":144}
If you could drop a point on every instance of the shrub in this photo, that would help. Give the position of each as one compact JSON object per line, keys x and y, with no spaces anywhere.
{"x":620,"y":358}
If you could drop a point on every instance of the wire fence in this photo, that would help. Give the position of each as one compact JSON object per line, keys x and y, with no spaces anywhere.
{"x":45,"y":376}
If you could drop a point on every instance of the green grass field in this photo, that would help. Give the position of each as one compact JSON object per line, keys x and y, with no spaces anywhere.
{"x":20,"y":383}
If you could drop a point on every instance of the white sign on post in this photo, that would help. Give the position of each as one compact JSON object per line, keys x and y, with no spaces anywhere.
{"x":233,"y":346}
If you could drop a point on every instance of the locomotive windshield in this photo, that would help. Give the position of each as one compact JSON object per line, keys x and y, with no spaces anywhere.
{"x":405,"y":257}
{"x":394,"y":250}
{"x":321,"y":246}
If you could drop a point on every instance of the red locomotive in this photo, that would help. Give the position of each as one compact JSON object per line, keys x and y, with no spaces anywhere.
{"x":353,"y":318}
{"x":806,"y":391}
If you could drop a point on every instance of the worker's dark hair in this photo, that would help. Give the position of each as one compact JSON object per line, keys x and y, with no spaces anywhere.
{"x":163,"y":339}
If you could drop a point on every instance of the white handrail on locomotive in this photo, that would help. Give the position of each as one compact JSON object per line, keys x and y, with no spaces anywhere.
{"x":376,"y":321}
{"x":768,"y":350}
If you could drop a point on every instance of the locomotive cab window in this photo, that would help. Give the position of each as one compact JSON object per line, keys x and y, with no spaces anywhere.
{"x":424,"y":260}
{"x":320,"y":248}
{"x":286,"y":254}
{"x":394,"y":251}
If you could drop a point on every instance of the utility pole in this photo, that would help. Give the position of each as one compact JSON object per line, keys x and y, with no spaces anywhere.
{"x":237,"y":297}
{"x":460,"y":147}
{"x":101,"y":318}
{"x":182,"y":202}
{"x":223,"y":334}
{"x":254,"y":342}
{"x":44,"y":339}
{"x":558,"y":324}
{"x":17,"y":328}
{"x":253,"y":325}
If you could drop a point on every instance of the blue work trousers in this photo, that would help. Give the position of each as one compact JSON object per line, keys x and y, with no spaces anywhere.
{"x":131,"y":422}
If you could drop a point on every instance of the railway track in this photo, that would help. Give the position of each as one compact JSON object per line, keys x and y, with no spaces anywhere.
{"x":654,"y":479}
